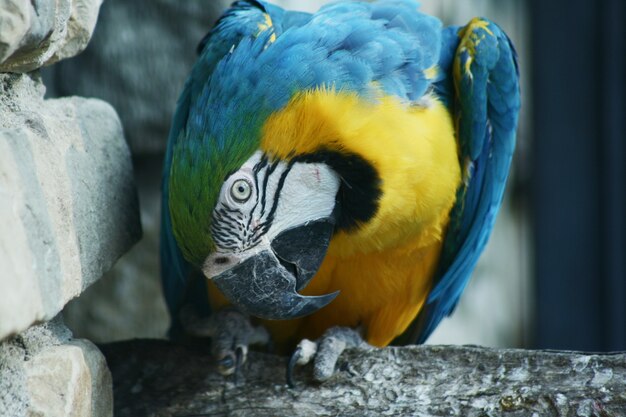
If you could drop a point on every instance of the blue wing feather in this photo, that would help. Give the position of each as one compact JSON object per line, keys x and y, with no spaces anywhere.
{"x":484,"y":95}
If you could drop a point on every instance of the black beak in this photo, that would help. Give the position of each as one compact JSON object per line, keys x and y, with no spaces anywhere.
{"x":266,"y":284}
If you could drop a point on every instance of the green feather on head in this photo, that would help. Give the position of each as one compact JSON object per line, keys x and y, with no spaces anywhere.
{"x":199,"y":168}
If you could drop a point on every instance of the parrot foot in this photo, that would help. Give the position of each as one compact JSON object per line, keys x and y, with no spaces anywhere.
{"x":231,"y":333}
{"x":326,"y":351}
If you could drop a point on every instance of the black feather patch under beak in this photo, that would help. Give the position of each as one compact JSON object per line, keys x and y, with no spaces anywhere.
{"x":266,"y":284}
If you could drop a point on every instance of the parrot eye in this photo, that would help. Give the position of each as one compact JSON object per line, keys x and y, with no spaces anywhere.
{"x":241,"y":191}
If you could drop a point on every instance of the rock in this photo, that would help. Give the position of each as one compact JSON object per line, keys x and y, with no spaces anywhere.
{"x":80,"y":26}
{"x":157,"y":378}
{"x":41,"y":32}
{"x":72,"y":377}
{"x":67,"y":199}
{"x":44,"y":372}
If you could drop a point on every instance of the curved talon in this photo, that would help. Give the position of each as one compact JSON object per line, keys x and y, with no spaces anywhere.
{"x":240,"y":356}
{"x":239,"y":360}
{"x":295,"y":357}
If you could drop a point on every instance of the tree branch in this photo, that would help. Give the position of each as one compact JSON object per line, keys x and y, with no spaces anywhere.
{"x":158,"y":378}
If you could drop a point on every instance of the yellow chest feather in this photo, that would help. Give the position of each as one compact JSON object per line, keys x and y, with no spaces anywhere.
{"x":384,"y":268}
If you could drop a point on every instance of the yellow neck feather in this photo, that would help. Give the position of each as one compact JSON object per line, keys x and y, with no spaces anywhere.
{"x":412,"y":148}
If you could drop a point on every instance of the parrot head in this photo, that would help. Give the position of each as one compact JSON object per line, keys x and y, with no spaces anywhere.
{"x":267,"y":234}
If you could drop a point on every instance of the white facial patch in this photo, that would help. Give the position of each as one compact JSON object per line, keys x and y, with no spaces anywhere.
{"x":308,"y":194}
{"x":263,"y":199}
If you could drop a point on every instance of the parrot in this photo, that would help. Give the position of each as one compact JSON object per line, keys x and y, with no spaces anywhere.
{"x":331,"y":178}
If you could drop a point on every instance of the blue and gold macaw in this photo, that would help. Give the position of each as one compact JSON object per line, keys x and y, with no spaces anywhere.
{"x":341,"y":169}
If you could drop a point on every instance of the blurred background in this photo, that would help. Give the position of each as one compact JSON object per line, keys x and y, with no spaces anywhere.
{"x":554,"y":272}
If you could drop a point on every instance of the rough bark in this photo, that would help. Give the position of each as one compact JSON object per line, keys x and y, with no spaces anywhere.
{"x":157,"y":378}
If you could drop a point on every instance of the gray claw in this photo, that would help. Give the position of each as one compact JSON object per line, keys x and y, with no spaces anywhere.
{"x":231,"y":333}
{"x":326,"y":359}
{"x":291,"y":365}
{"x":240,"y":358}
{"x":325,"y":352}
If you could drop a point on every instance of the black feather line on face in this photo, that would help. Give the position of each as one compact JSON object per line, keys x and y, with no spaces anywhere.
{"x":360,"y":189}
{"x":268,"y":172}
{"x":279,"y":188}
{"x":255,"y":173}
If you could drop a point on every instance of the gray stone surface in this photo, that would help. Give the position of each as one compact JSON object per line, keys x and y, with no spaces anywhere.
{"x":67,"y":199}
{"x":154,"y":378}
{"x":44,"y":372}
{"x":39,"y":32}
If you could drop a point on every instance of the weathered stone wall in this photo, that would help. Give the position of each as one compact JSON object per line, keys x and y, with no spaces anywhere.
{"x":69,"y":206}
{"x":69,"y":210}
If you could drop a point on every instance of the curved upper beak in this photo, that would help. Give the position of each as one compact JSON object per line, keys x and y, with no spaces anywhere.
{"x":265,"y":284}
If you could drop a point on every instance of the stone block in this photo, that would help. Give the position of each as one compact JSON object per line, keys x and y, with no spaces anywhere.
{"x":67,"y":199}
{"x":39,"y":32}
{"x":44,"y":372}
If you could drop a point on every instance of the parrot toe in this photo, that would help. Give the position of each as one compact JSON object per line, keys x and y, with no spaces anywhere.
{"x":324,"y":352}
{"x":231,"y":333}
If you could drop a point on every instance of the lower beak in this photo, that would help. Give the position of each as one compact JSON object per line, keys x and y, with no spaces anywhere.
{"x":265,"y":285}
